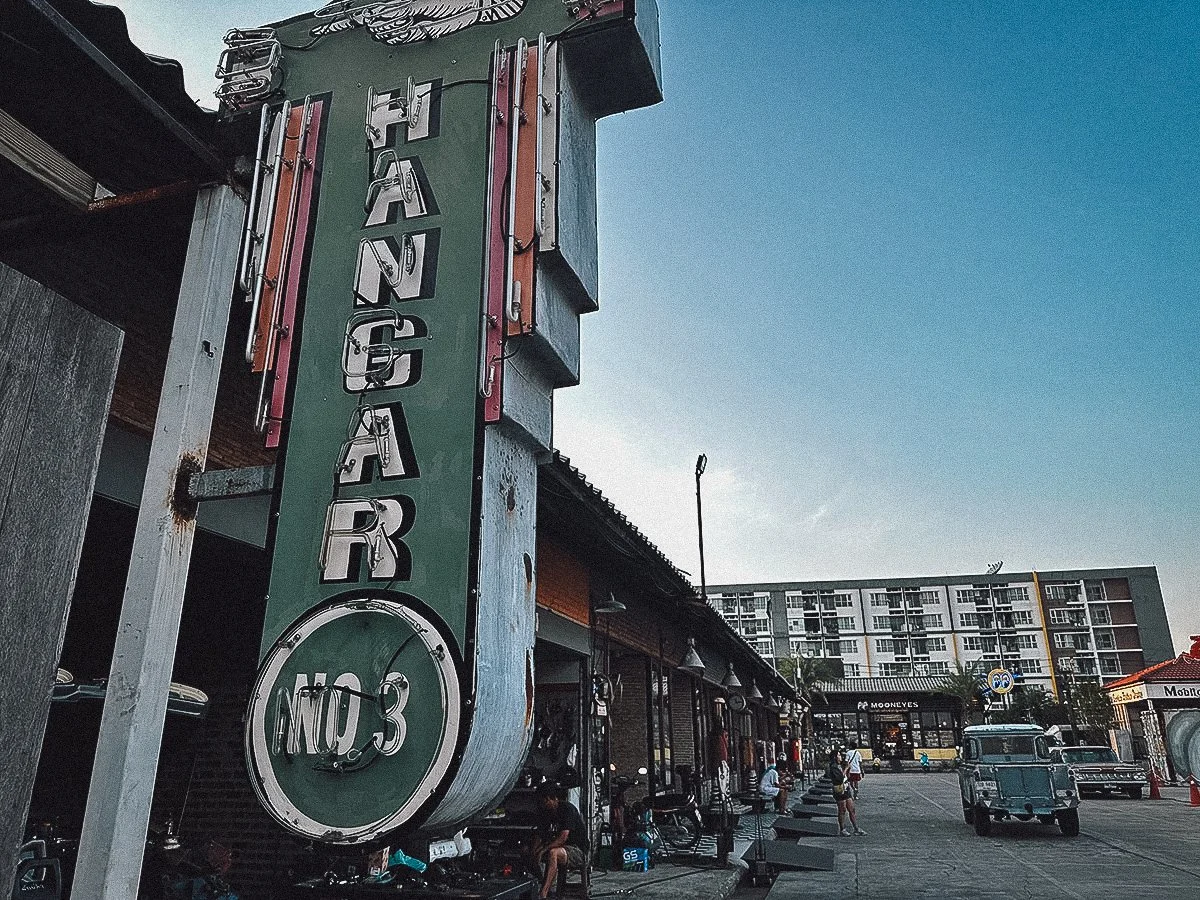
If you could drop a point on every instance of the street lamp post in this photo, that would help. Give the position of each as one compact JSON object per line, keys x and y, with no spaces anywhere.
{"x":701,"y":463}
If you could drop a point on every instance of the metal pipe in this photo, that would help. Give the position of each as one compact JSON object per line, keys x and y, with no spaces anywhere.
{"x":260,"y":277}
{"x":512,"y":310}
{"x":260,"y":418}
{"x":252,"y":214}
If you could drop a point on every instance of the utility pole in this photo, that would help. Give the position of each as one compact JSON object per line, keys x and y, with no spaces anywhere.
{"x":701,"y":464}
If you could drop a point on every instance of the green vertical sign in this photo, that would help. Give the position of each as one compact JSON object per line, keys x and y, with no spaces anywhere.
{"x":400,"y":613}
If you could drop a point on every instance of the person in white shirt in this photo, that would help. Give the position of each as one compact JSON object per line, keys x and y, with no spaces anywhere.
{"x":854,"y":770}
{"x":769,"y":786}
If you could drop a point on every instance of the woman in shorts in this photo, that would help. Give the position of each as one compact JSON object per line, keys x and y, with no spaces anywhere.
{"x":841,"y":793}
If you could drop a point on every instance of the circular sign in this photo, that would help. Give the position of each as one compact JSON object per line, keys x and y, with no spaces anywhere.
{"x":737,"y":702}
{"x":354,"y":718}
{"x":1000,"y":681}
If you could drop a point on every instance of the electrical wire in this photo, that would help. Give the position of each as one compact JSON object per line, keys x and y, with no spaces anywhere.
{"x":624,"y":891}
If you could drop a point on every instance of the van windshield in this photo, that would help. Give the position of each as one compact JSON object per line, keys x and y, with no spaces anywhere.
{"x":1007,"y":746}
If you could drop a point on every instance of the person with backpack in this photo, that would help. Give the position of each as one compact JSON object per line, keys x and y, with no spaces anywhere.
{"x":854,"y":769}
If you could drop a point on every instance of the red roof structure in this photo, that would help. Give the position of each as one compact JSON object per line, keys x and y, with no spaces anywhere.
{"x":1185,"y":667}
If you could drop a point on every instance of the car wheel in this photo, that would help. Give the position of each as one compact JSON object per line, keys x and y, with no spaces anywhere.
{"x":1068,"y":821}
{"x":1135,"y":793}
{"x":969,"y":815}
{"x":983,"y":821}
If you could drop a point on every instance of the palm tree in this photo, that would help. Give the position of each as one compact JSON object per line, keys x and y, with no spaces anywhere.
{"x":807,"y":673}
{"x":963,"y":685}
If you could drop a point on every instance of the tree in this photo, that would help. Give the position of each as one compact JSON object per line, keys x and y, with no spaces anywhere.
{"x":963,"y":685}
{"x":1032,"y":704}
{"x":807,"y":674}
{"x":1093,"y":708}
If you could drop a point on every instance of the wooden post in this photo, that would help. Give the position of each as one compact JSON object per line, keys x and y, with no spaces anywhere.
{"x":122,"y":785}
{"x":58,"y":364}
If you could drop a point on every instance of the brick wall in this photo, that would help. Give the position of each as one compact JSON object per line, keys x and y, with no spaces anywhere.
{"x":562,"y":583}
{"x":221,"y":804}
{"x":682,"y":732}
{"x":628,"y":718}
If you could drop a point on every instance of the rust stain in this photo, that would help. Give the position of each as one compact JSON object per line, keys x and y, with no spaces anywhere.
{"x":147,"y":196}
{"x":183,"y":505}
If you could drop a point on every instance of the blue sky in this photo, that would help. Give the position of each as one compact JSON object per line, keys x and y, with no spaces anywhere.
{"x":920,"y":279}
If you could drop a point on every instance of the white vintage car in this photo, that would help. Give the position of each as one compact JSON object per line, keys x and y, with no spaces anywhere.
{"x":1098,"y":770}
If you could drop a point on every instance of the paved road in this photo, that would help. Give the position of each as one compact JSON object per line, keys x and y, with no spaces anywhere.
{"x":918,"y":846}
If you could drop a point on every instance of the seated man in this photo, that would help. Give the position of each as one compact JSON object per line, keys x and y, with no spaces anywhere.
{"x":561,"y":843}
{"x":769,"y":787}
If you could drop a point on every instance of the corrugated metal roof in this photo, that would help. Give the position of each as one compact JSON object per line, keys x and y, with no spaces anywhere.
{"x":891,"y":685}
{"x":1182,"y":668}
{"x":685,"y":584}
{"x":682,"y":589}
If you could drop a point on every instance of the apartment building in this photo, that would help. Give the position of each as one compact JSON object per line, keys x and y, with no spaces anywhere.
{"x":1107,"y":622}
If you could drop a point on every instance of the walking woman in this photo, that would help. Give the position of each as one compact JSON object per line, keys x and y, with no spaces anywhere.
{"x":841,"y":793}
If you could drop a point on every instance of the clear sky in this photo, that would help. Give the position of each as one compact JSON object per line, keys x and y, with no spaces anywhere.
{"x":920,"y":279}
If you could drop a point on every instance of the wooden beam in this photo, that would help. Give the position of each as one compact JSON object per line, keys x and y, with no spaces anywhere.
{"x":122,"y":785}
{"x":60,"y":366}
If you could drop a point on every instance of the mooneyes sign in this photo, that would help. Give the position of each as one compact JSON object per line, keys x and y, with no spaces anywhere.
{"x":404,"y":206}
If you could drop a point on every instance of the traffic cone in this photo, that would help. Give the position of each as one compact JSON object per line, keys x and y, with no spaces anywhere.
{"x":1195,"y":790}
{"x":1155,"y":786}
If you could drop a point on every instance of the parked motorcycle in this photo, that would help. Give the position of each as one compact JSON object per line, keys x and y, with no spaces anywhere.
{"x":677,"y":814}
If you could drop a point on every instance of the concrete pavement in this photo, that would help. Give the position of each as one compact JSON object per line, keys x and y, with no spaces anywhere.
{"x":918,"y":846}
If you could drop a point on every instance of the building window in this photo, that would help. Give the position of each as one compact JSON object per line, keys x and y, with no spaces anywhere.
{"x":1105,"y":640}
{"x":845,"y":623}
{"x":1066,"y":639}
{"x":1110,"y":665}
{"x":1030,"y":666}
{"x":1101,"y":615}
{"x":882,"y":646}
{"x":969,"y":620}
{"x":931,"y":668}
{"x":895,"y":669}
{"x":795,"y":626}
{"x":973,"y":644}
{"x":1068,"y":593}
{"x":1067,"y":617}
{"x":849,"y":648}
{"x":795,"y":601}
{"x":1095,"y":591}
{"x":851,"y":670}
{"x":843,"y":600}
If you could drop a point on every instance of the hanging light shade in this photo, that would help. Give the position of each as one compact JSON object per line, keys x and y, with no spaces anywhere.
{"x":730,"y":681}
{"x":609,"y":605}
{"x":755,"y":693}
{"x":692,"y":663}
{"x":772,"y":703}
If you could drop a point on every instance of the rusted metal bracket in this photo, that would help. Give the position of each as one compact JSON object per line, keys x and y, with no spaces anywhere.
{"x":225,"y":484}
